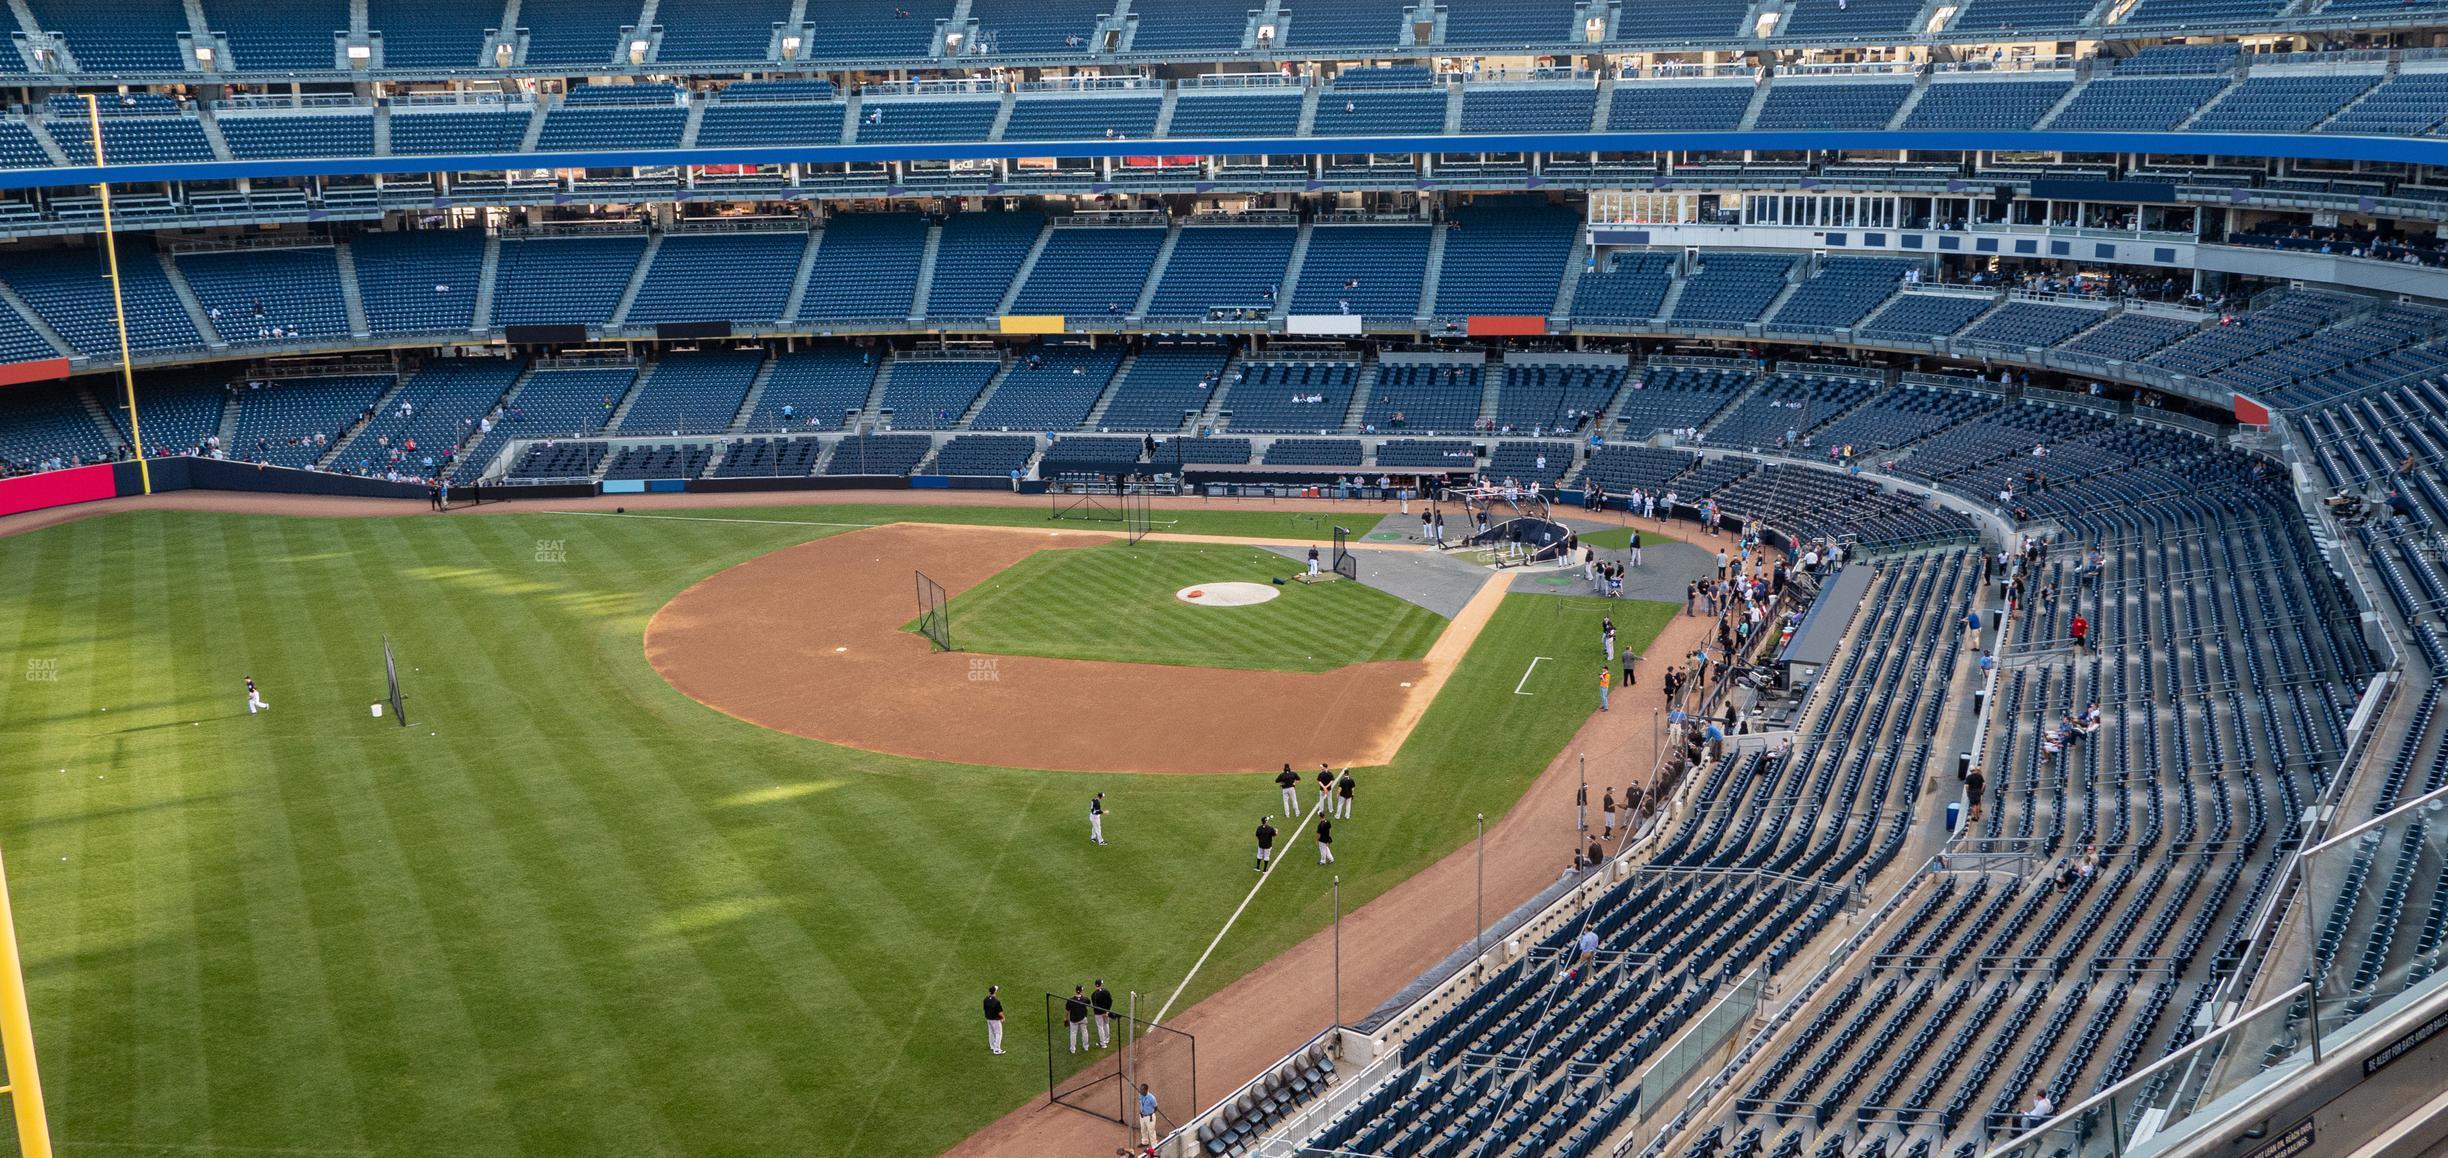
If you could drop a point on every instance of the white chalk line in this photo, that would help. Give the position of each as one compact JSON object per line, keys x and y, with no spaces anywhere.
{"x":1283,"y":845}
{"x":1525,"y":680}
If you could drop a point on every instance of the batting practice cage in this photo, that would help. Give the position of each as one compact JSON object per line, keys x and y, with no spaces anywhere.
{"x":1133,"y":1052}
{"x":1096,"y":502}
{"x":1137,"y":515}
{"x":399,"y":703}
{"x":1345,"y":563}
{"x":934,"y":612}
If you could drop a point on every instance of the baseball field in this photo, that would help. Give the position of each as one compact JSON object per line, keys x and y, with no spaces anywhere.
{"x":575,"y":910}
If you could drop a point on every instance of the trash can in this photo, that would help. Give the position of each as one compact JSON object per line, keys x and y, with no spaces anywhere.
{"x":1954,"y":814}
{"x":1963,"y":764}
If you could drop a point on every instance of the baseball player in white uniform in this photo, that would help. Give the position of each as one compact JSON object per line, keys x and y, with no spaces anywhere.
{"x":1096,"y":818}
{"x":255,"y":700}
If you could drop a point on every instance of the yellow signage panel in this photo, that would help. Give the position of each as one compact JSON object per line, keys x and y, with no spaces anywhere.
{"x":1032,"y":323}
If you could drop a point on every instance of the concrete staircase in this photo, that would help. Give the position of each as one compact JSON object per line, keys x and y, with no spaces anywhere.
{"x":1164,"y":112}
{"x":351,"y":297}
{"x":756,"y":392}
{"x":1494,"y":378}
{"x":187,"y":298}
{"x":1731,"y":405}
{"x":1435,"y":274}
{"x":1571,"y":288}
{"x":1156,"y":271}
{"x":1794,"y":277}
{"x":978,"y":403}
{"x":535,"y":125}
{"x":383,"y":405}
{"x":227,"y":429}
{"x":101,"y":418}
{"x":637,"y":281}
{"x":382,"y":130}
{"x":2071,"y":92}
{"x":1308,"y":113}
{"x":1361,"y":392}
{"x":1920,"y":88}
{"x":213,"y":137}
{"x":1292,"y":272}
{"x":1453,"y":112}
{"x":637,"y":386}
{"x":799,"y":284}
{"x":926,"y":273}
{"x":696,"y":121}
{"x":1003,"y":115}
{"x":1606,"y":100}
{"x":1674,"y":293}
{"x":1104,"y":401}
{"x":482,"y":319}
{"x":870,"y":410}
{"x":1751,"y":112}
{"x":1028,"y":265}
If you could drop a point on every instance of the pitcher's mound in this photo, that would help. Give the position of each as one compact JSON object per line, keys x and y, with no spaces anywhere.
{"x":1227,"y":594}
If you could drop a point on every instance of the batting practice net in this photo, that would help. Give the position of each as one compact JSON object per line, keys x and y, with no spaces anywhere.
{"x":934,"y":612}
{"x":1095,"y":502}
{"x":1130,"y":1052}
{"x":1345,"y":563}
{"x":399,"y":703}
{"x":1137,"y":514}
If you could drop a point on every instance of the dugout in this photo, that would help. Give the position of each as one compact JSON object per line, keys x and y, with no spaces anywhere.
{"x":1823,"y":627}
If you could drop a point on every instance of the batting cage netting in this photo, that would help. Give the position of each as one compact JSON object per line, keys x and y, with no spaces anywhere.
{"x":1137,"y":514}
{"x":1345,"y":563}
{"x":934,"y":612}
{"x":1126,"y":1053}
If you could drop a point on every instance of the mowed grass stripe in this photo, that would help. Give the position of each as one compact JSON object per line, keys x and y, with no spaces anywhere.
{"x":589,"y":915}
{"x":1118,"y":603}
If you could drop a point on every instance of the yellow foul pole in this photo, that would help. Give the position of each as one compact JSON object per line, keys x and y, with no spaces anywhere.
{"x":127,"y":364}
{"x":17,"y":1040}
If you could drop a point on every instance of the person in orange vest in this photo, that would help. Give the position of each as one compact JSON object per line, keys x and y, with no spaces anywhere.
{"x":1606,"y":678}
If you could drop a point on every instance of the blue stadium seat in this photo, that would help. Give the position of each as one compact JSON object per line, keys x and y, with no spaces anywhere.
{"x":1499,"y":23}
{"x":1649,"y":106}
{"x":45,"y":426}
{"x":1519,"y":109}
{"x":816,"y":388}
{"x":1082,"y":118}
{"x":878,"y":454}
{"x":69,"y":288}
{"x":1164,"y":385}
{"x":730,"y":277}
{"x":1038,"y":27}
{"x":1732,"y":289}
{"x":249,"y":292}
{"x":739,"y":30}
{"x":293,"y":422}
{"x":2281,"y":104}
{"x":1922,"y":317}
{"x":1190,"y":27}
{"x":1630,"y":288}
{"x":1370,"y":270}
{"x":1051,"y":388}
{"x":1346,"y":24}
{"x":1505,"y":257}
{"x":564,"y":280}
{"x":872,"y":29}
{"x":597,"y":124}
{"x":933,"y":393}
{"x":1263,"y":113}
{"x":1267,"y":397}
{"x":1223,"y":266}
{"x":736,"y":122}
{"x":926,"y":119}
{"x":692,"y":393}
{"x":121,"y":36}
{"x":866,"y":267}
{"x":454,"y":131}
{"x":2406,"y":105}
{"x":420,"y":34}
{"x":1987,"y":104}
{"x":1344,"y":112}
{"x":279,"y":35}
{"x":977,"y":259}
{"x":421,"y":281}
{"x":1844,"y":291}
{"x":1797,"y":104}
{"x":2136,"y":105}
{"x":576,"y":31}
{"x":990,"y":455}
{"x":260,"y":135}
{"x":1090,"y":270}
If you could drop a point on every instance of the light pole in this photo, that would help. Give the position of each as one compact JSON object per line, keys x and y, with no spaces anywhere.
{"x":1338,"y":949}
{"x":1581,"y":800}
{"x":1479,"y":907}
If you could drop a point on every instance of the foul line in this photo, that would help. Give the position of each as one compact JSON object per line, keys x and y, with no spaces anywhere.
{"x":1263,"y":878}
{"x":1534,"y":662}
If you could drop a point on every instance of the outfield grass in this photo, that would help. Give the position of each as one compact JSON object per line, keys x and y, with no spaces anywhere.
{"x":1117,"y":603}
{"x":571,"y":911}
{"x":1619,"y":538}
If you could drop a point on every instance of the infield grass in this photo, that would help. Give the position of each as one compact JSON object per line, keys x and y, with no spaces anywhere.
{"x":1118,"y":603}
{"x":570,"y":911}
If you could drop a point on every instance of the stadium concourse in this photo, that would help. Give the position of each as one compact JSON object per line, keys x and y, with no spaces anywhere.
{"x":2011,"y":434}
